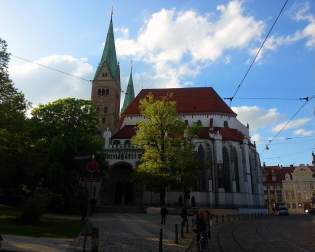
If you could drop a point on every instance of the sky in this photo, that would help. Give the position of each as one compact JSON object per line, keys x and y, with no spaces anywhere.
{"x":178,"y":44}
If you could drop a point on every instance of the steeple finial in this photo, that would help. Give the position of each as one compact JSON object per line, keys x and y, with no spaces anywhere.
{"x":111,"y":13}
{"x":109,"y":53}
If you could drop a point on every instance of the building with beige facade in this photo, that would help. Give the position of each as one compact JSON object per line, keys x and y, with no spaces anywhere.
{"x":298,"y":189}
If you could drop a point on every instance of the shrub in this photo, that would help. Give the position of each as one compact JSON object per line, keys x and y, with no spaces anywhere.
{"x":35,"y":206}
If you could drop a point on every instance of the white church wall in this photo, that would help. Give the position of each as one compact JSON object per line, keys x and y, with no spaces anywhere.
{"x":218,"y":121}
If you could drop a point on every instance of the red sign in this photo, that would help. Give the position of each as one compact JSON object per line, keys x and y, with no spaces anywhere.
{"x":92,"y":166}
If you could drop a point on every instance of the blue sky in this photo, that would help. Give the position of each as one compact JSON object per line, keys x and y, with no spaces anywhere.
{"x":177,"y":44}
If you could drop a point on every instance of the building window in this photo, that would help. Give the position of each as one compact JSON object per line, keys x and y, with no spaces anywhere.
{"x":99,"y":92}
{"x":226,"y":170}
{"x":103,"y":120}
{"x":225,"y":124}
{"x":107,"y":91}
{"x":186,"y":122}
{"x":199,"y":123}
{"x":103,"y":91}
{"x":211,"y":123}
{"x":97,"y":109}
{"x":105,"y":110}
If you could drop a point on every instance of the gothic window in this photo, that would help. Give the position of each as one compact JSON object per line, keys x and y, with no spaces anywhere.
{"x":103,"y":120}
{"x":103,"y":91}
{"x":226,"y":170}
{"x":186,"y":122}
{"x":127,"y":143}
{"x":199,"y":123}
{"x":236,"y":170}
{"x":211,"y":123}
{"x":99,"y":92}
{"x":105,"y":110}
{"x":201,"y":153}
{"x":107,"y":91}
{"x":225,"y":124}
{"x":244,"y":165}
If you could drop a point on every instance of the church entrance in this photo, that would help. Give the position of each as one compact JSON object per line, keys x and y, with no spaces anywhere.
{"x":120,"y":188}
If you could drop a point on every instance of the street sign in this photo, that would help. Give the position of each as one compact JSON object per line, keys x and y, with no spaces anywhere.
{"x":92,"y":166}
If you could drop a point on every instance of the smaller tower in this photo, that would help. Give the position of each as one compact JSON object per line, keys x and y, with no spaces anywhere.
{"x":313,"y":155}
{"x":130,"y":92}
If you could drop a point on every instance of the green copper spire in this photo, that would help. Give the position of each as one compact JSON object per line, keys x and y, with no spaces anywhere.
{"x":109,"y":53}
{"x":130,"y":93}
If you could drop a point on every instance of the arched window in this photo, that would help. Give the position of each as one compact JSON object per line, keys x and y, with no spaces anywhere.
{"x":199,"y":123}
{"x":226,"y":170}
{"x":226,"y":124}
{"x":103,"y":91}
{"x":116,"y":142}
{"x":97,"y":109}
{"x":201,"y":153}
{"x":99,"y":92}
{"x":236,"y":170}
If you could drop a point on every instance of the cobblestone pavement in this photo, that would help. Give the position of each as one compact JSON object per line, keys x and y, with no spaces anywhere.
{"x":267,"y":234}
{"x":136,"y":232}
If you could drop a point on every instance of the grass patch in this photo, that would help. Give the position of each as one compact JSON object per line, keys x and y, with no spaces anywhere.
{"x":47,"y":227}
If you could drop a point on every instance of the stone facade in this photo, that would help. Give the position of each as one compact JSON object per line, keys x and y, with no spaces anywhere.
{"x":298,"y":189}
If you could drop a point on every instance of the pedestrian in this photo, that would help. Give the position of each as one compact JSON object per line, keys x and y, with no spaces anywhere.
{"x":200,"y":229}
{"x":184,"y":216}
{"x":206,"y":216}
{"x":164,"y":212}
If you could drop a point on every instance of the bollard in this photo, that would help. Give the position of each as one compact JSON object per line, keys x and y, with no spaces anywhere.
{"x":161,"y":241}
{"x":176,"y":233}
{"x":94,"y":241}
{"x":182,"y":230}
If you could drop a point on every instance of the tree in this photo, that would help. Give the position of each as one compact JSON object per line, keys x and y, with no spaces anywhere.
{"x":15,"y":145}
{"x":12,"y":102}
{"x":64,"y":129}
{"x":168,"y":156}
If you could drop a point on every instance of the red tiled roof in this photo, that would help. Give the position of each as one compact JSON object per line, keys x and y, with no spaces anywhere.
{"x":269,"y":171}
{"x":227,"y":133}
{"x":188,"y":100}
{"x":128,"y":131}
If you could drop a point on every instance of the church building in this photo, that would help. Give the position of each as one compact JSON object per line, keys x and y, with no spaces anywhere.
{"x":232,"y":176}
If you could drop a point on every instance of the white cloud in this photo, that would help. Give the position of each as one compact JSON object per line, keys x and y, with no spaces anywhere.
{"x":255,"y":116}
{"x":169,"y":38}
{"x":42,"y":85}
{"x":307,"y":33}
{"x":303,"y":132}
{"x":291,"y":125}
{"x":256,"y":137}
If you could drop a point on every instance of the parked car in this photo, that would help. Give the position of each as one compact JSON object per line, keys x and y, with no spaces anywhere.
{"x":311,"y":211}
{"x":281,"y":209}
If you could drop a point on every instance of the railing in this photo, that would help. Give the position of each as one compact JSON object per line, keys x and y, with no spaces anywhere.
{"x":119,"y":152}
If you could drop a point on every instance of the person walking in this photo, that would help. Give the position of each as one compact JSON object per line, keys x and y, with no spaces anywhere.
{"x":184,"y":216}
{"x":164,"y":212}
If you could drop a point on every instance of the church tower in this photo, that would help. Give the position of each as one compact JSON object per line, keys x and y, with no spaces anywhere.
{"x":106,"y":85}
{"x":130,"y":93}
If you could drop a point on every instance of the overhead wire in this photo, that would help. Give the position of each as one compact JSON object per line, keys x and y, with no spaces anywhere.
{"x":257,"y":54}
{"x":53,"y":69}
{"x":307,"y":99}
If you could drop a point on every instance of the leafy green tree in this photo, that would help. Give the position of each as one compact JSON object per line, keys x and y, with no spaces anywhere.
{"x":15,"y":145}
{"x":65,"y":129}
{"x":168,"y":156}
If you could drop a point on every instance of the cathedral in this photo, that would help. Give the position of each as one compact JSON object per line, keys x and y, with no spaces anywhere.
{"x":232,"y":176}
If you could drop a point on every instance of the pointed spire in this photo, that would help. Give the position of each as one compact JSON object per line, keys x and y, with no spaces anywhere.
{"x":109,"y":53}
{"x":130,"y":92}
